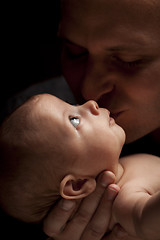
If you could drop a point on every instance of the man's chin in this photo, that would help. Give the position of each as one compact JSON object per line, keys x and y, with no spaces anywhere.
{"x":135,"y":136}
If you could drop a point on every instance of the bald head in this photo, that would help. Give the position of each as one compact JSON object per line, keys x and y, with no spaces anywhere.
{"x":147,"y":12}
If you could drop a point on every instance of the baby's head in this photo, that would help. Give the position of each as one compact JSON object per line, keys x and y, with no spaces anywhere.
{"x":50,"y":148}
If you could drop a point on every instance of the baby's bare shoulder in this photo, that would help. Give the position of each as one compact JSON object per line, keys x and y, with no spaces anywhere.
{"x":141,"y":170}
{"x":140,"y":160}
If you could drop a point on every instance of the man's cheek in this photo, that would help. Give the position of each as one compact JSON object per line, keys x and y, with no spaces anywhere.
{"x":74,"y":77}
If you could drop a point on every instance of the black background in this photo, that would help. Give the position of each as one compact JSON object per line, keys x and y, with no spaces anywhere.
{"x":30,"y":53}
{"x":26,"y":57}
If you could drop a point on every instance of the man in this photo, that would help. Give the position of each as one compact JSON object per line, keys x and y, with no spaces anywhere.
{"x":111,"y":54}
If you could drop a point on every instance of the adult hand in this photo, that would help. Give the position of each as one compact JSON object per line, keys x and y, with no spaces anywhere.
{"x":117,"y":233}
{"x":91,"y":220}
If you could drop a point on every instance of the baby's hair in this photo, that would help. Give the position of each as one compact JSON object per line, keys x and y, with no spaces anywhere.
{"x":25,"y":193}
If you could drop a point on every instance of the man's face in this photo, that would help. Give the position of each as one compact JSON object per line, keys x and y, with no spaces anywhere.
{"x":111,"y":54}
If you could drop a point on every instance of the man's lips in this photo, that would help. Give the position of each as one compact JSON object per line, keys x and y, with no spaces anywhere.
{"x":116,"y":114}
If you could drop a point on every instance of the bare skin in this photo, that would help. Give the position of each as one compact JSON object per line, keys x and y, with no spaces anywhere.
{"x":111,"y":54}
{"x":56,"y":134}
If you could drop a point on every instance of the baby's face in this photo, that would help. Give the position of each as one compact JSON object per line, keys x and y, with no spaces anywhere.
{"x":90,"y":139}
{"x":52,"y":140}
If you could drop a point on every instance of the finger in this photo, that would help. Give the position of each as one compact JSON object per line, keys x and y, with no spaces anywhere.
{"x":76,"y":226}
{"x":99,"y":224}
{"x":118,"y":233}
{"x":58,"y":216}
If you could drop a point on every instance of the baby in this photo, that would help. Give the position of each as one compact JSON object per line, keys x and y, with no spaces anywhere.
{"x":70,"y":145}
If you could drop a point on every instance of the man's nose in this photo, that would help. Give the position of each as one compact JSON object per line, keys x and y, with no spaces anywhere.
{"x":92,"y":106}
{"x":99,"y":79}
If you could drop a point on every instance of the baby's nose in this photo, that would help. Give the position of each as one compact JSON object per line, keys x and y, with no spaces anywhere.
{"x":92,"y":106}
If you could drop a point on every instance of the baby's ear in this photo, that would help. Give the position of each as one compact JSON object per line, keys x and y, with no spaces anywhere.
{"x":72,"y":187}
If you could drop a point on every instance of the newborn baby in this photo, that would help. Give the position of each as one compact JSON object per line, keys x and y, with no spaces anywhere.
{"x":59,"y":152}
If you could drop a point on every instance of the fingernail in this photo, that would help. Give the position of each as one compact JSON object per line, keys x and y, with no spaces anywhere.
{"x":112,"y":193}
{"x":66,"y":204}
{"x":106,"y":179}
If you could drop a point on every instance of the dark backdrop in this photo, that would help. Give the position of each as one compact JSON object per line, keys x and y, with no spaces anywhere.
{"x":25,"y":63}
{"x":28,"y":62}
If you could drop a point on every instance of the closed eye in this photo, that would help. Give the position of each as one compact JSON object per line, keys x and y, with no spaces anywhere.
{"x":73,"y":51}
{"x":129,"y":64}
{"x":74,"y":121}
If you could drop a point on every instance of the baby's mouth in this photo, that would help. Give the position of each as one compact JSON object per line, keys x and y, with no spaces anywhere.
{"x":111,"y":121}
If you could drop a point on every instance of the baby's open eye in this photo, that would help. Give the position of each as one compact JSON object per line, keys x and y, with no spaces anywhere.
{"x":74,"y":121}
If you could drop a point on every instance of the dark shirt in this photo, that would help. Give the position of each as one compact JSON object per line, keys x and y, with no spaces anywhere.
{"x":144,"y":145}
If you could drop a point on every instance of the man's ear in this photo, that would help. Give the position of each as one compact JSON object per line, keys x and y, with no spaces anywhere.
{"x":72,"y":187}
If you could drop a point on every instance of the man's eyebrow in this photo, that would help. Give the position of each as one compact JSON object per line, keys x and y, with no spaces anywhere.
{"x":69,"y":42}
{"x":124,"y":47}
{"x":121,"y":47}
{"x":134,"y":44}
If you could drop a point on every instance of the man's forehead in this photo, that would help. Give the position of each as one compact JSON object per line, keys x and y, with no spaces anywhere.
{"x":97,"y":16}
{"x":94,"y":6}
{"x":91,"y":3}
